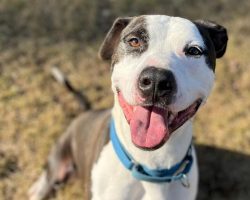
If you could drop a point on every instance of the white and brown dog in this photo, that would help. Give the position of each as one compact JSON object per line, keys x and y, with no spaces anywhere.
{"x":162,"y":71}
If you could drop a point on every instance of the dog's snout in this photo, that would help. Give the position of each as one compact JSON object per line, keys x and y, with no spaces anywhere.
{"x":157,"y":83}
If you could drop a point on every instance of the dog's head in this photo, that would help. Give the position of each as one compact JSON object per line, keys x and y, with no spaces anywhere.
{"x":162,"y":70}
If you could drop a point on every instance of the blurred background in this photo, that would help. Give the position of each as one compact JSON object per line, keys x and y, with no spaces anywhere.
{"x":34,"y":109}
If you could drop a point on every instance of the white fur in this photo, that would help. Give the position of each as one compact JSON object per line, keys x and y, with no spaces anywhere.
{"x":168,"y":37}
{"x":39,"y":189}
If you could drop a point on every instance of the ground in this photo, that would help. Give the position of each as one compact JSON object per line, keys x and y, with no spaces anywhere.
{"x":35,"y":110}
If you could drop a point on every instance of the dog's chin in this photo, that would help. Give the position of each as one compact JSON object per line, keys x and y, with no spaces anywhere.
{"x":151,"y":125}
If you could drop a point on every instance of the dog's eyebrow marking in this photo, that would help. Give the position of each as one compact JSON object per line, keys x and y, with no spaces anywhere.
{"x":140,"y":33}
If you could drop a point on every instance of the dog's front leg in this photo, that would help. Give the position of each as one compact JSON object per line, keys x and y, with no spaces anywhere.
{"x":155,"y":191}
{"x":111,"y":180}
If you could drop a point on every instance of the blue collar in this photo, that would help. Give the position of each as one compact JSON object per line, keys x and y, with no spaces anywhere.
{"x":141,"y":172}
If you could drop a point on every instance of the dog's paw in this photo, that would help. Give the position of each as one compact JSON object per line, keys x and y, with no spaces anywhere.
{"x":40,"y":189}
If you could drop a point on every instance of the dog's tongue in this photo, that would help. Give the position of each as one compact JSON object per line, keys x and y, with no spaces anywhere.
{"x":148,"y":126}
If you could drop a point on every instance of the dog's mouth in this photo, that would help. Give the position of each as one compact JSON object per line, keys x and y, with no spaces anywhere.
{"x":152,"y":126}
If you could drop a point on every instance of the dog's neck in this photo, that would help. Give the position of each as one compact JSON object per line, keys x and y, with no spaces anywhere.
{"x":168,"y":155}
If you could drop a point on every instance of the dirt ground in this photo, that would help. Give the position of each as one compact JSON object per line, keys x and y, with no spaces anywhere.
{"x":35,"y":110}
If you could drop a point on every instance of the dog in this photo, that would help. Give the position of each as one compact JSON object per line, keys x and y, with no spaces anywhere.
{"x":163,"y":69}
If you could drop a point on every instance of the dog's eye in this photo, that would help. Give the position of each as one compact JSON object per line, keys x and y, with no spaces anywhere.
{"x":134,"y":42}
{"x":194,"y":51}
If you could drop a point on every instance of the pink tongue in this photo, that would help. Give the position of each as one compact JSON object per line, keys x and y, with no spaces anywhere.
{"x":148,"y":127}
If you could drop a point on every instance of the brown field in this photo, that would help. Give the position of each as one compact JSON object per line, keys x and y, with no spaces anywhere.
{"x":35,"y":109}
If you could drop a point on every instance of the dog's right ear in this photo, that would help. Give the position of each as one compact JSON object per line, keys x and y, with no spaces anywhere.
{"x":217,"y":34}
{"x":113,"y":37}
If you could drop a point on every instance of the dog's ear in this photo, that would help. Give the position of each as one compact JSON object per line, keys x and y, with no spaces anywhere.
{"x":217,"y":34}
{"x":113,"y":37}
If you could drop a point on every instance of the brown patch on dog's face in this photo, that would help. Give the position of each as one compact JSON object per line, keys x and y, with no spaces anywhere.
{"x":113,"y":37}
{"x":136,"y":29}
{"x":118,"y":40}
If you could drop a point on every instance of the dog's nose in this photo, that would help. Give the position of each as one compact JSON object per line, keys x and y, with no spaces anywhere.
{"x":157,"y":83}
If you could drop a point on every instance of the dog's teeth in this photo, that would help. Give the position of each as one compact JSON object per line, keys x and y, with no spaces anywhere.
{"x":171,"y":118}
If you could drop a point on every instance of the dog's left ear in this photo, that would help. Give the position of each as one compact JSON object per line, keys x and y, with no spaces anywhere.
{"x":113,"y":37}
{"x":217,"y":34}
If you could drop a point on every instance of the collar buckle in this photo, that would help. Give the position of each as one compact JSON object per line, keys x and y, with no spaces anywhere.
{"x":185,"y":181}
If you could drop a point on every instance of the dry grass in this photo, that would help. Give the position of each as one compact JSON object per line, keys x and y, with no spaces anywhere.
{"x":35,"y":110}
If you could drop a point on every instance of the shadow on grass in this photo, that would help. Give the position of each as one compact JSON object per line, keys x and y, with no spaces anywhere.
{"x":224,"y":174}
